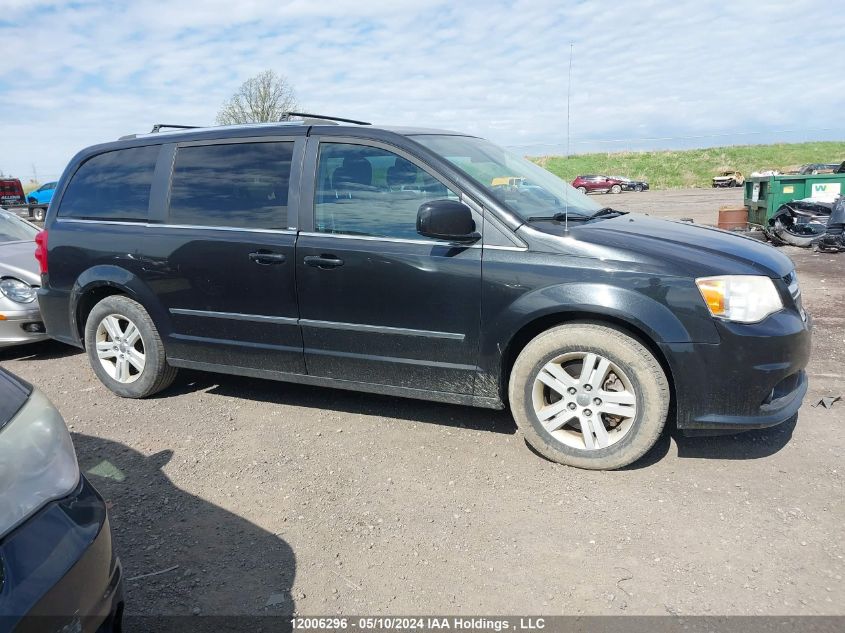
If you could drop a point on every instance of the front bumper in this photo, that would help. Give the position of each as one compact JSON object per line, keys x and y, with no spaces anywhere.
{"x":754,"y":378}
{"x":59,"y":572}
{"x":21,"y":326}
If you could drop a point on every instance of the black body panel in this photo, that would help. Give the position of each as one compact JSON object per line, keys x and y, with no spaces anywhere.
{"x":394,"y":313}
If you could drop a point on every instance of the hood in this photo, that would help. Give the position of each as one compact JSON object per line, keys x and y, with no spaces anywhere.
{"x":688,"y":248}
{"x":17,"y":259}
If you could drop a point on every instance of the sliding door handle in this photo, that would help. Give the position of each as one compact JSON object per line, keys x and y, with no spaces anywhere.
{"x":323,"y":261}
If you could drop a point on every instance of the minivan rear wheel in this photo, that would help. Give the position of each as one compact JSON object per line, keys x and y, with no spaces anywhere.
{"x":589,"y":395}
{"x":125,"y":349}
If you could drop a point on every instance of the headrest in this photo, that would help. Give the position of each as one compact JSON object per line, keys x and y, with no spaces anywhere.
{"x":402,"y":173}
{"x":354,"y":170}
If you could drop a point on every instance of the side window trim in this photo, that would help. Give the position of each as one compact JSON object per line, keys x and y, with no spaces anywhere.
{"x":293,"y":213}
{"x":160,"y":189}
{"x":308,"y":209}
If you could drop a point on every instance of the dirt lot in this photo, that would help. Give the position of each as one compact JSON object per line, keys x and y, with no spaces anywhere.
{"x":702,"y":205}
{"x":272,"y":497}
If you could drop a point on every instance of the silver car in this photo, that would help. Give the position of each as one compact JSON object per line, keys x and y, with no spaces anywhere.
{"x":20,"y":319}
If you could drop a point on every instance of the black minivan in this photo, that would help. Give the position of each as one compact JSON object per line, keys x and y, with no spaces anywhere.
{"x":419,"y":263}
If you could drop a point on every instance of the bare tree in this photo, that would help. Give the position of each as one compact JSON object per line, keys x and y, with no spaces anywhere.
{"x":260,"y":99}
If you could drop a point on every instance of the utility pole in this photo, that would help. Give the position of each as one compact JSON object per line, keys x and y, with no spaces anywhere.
{"x":568,"y":96}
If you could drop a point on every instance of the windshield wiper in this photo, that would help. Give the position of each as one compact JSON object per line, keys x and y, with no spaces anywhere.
{"x":605,"y":211}
{"x":559,"y":217}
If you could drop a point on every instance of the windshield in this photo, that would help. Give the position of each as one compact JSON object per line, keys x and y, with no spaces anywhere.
{"x":523,"y":187}
{"x":13,"y":229}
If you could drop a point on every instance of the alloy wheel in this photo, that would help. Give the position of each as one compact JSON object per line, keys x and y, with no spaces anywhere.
{"x":584,"y":400}
{"x":120,"y":348}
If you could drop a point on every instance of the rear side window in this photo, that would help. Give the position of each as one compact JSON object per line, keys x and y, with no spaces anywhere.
{"x":238,"y":185}
{"x":112,"y":186}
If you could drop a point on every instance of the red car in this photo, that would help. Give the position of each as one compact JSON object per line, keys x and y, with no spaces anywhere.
{"x":598,"y":184}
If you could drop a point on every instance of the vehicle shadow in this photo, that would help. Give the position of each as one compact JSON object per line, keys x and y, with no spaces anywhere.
{"x":755,"y":444}
{"x":342,"y":401}
{"x":42,"y":350}
{"x":209,"y":560}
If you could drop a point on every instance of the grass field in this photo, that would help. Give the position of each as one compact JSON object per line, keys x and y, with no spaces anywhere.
{"x":695,"y":167}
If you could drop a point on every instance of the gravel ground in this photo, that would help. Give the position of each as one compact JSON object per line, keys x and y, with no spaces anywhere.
{"x":273,"y":498}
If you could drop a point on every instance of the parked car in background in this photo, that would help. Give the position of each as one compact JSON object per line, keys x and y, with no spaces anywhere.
{"x":11,"y":193}
{"x":729,"y":179}
{"x":58,"y":571}
{"x":591,"y":183}
{"x":39,"y":199}
{"x":350,"y":256}
{"x":818,"y":168}
{"x":628,"y":184}
{"x":20,"y":319}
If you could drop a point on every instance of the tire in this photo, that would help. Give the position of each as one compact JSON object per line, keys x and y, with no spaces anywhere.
{"x":582,"y":190}
{"x":638,"y":188}
{"x":38,"y":214}
{"x":616,"y":189}
{"x":139,"y":352}
{"x":644,"y":387}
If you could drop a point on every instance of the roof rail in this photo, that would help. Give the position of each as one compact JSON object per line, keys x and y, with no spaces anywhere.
{"x":157,"y":127}
{"x":305,"y":115}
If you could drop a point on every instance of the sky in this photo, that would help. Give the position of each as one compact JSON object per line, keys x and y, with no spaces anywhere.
{"x":645,"y":73}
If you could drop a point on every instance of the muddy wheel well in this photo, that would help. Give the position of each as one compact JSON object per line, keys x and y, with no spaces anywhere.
{"x":87,"y":302}
{"x":541,"y":324}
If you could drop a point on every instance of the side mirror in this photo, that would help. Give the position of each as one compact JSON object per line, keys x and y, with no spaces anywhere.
{"x":447,"y":220}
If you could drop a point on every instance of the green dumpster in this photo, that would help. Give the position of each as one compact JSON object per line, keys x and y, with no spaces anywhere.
{"x":765,"y":194}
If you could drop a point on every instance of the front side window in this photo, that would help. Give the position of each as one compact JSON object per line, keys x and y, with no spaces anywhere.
{"x":112,"y":186}
{"x":369,"y":191}
{"x":237,"y":185}
{"x":525,"y":188}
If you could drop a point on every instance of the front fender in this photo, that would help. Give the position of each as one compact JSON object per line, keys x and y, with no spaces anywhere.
{"x":107,"y":276}
{"x":668,"y":312}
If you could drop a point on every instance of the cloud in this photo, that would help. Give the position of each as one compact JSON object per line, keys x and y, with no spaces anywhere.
{"x":89,"y":71}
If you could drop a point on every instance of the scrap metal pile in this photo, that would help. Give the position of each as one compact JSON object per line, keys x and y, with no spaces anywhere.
{"x":809,"y":223}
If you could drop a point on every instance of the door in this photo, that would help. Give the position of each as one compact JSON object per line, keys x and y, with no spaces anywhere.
{"x":378,"y":302}
{"x":223,"y":262}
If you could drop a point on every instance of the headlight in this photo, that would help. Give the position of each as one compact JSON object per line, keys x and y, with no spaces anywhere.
{"x":37,"y":462}
{"x":17,"y":290}
{"x":741,"y":298}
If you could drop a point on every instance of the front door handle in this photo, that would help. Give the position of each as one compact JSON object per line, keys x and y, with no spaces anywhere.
{"x":265,"y":258}
{"x":323,"y":261}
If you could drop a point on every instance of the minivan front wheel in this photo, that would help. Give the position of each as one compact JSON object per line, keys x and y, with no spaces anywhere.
{"x":125,"y":349}
{"x":589,"y":395}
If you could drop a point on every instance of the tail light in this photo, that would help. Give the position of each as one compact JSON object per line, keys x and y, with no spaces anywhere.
{"x":41,"y":250}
